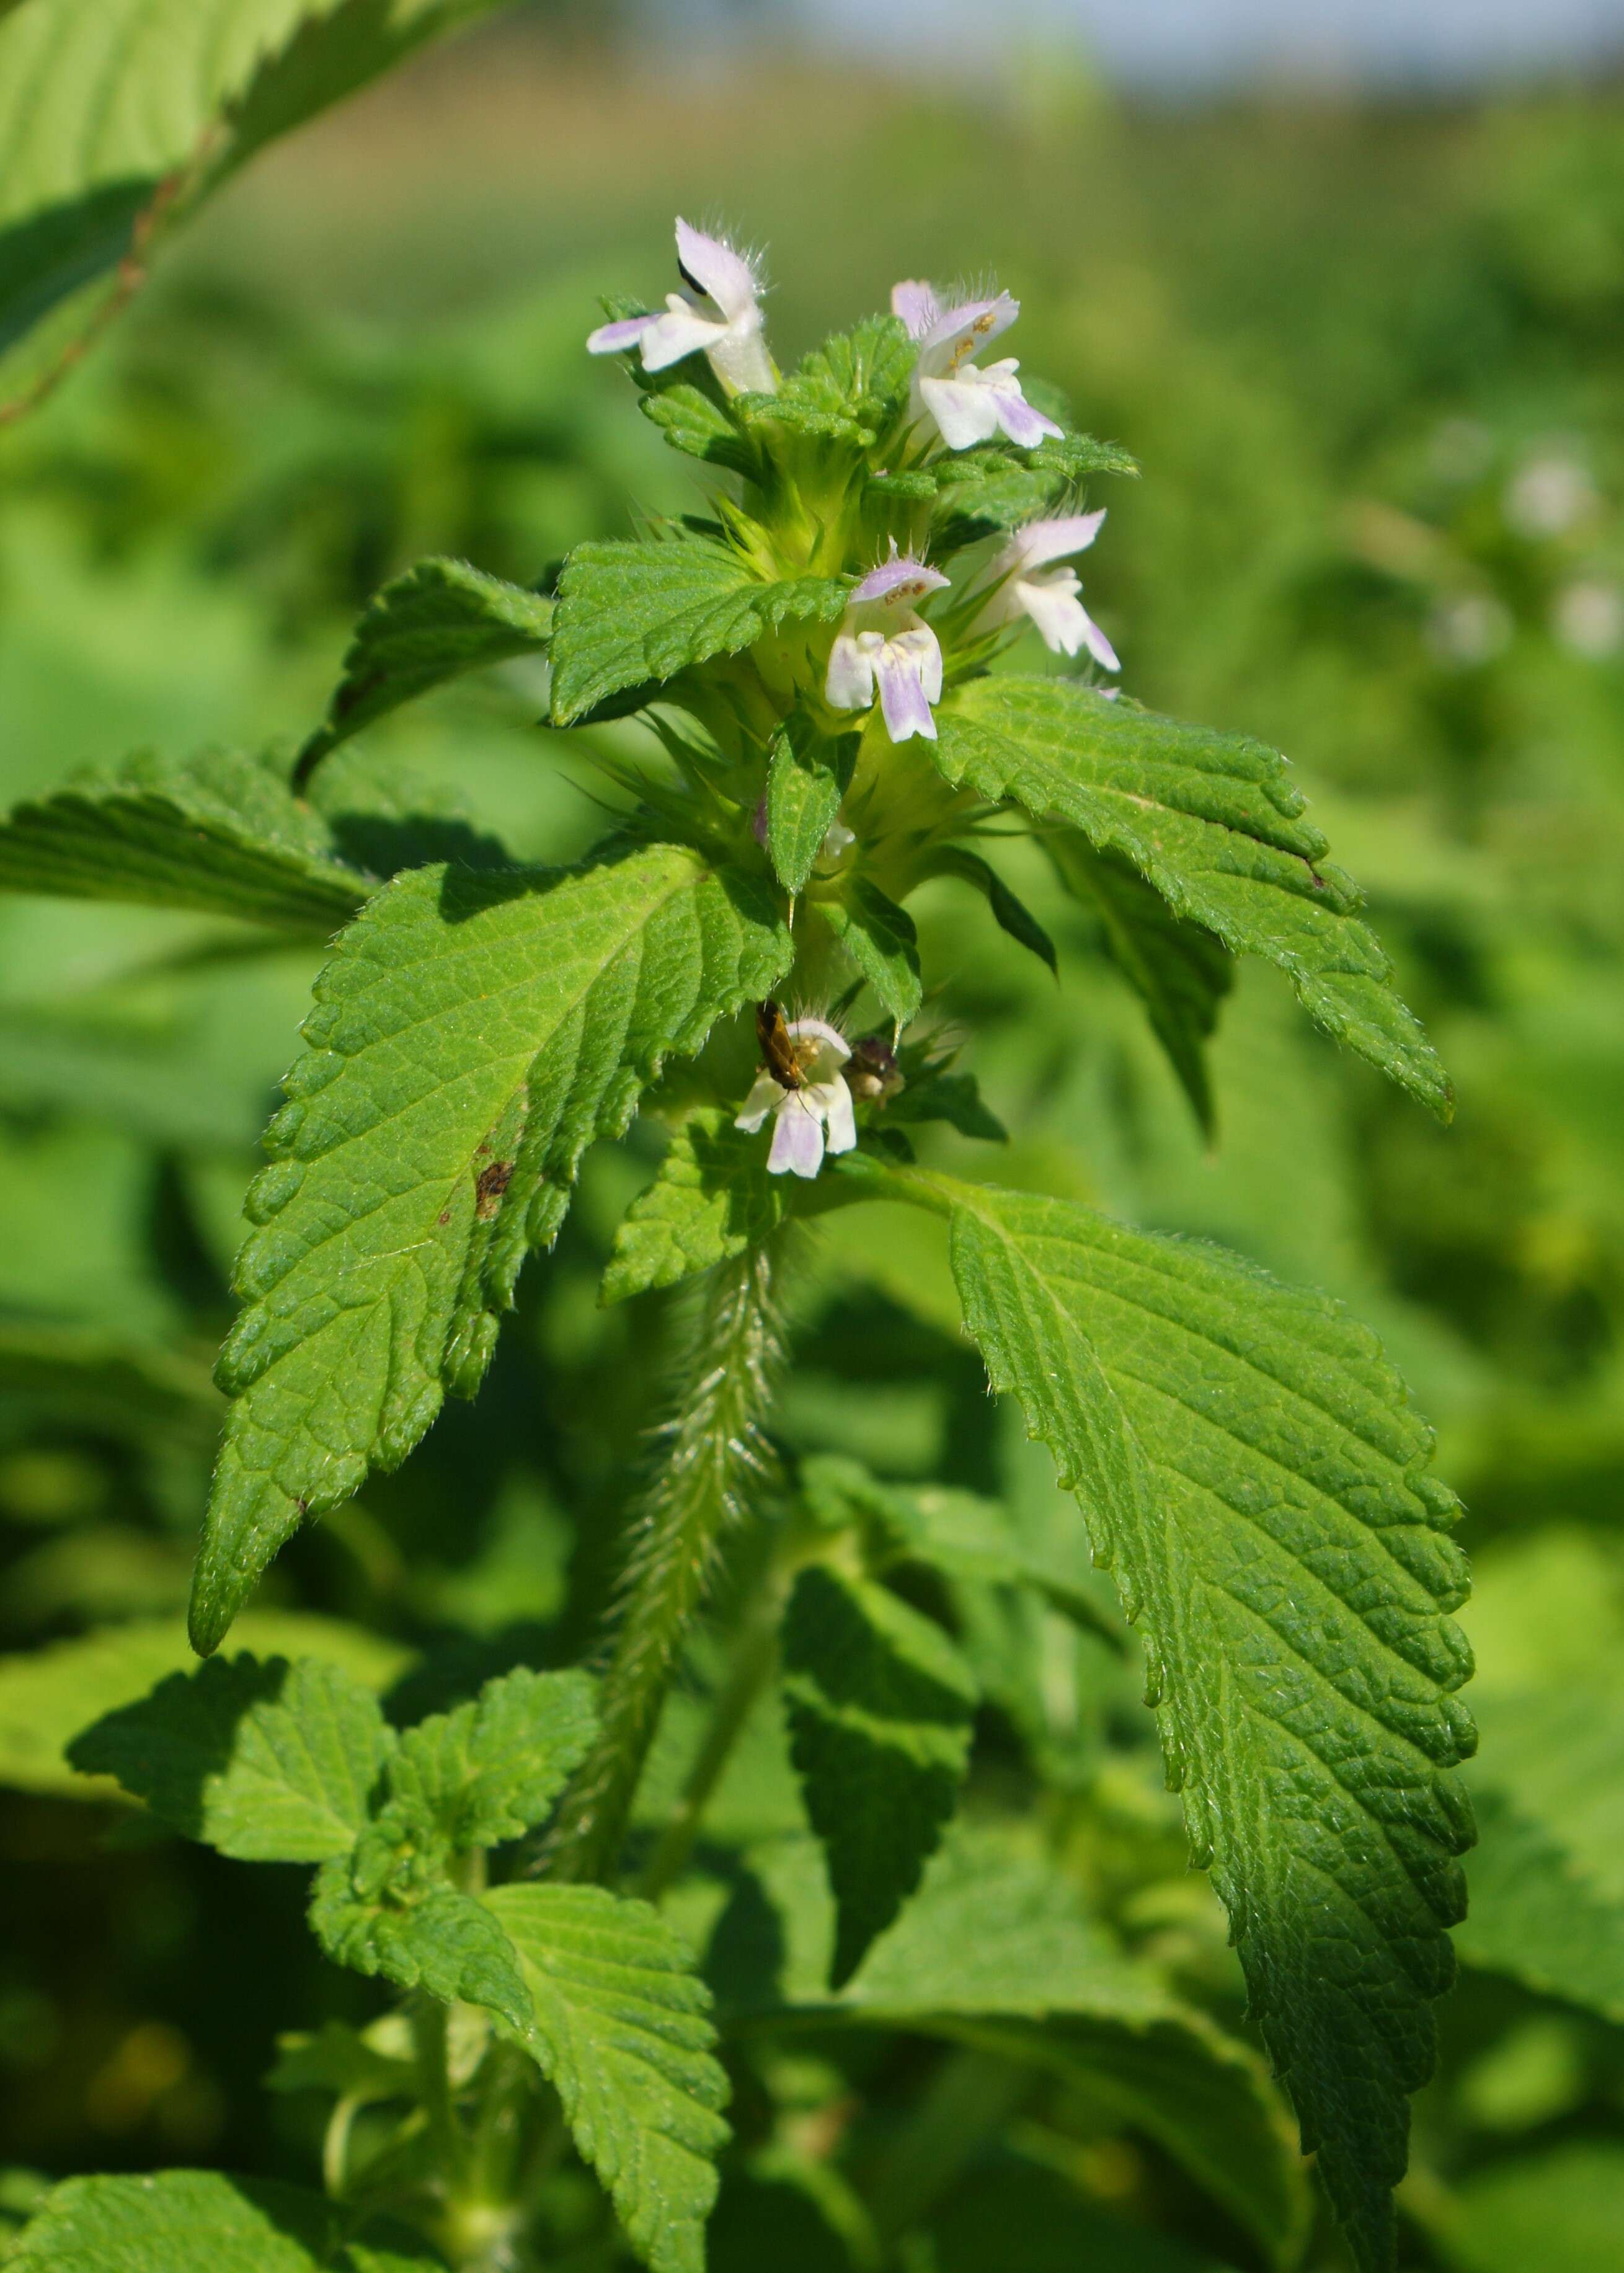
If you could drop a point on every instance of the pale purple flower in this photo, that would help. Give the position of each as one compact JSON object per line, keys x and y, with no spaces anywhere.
{"x":882,"y":643}
{"x":813,"y":1119}
{"x":968,"y":404}
{"x":1026,"y":582}
{"x":731,"y":338}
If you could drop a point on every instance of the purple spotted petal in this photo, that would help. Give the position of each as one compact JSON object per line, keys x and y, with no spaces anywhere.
{"x":886,"y":582}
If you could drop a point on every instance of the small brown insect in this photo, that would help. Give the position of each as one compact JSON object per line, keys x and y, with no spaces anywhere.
{"x":777,"y":1048}
{"x":489,"y":1185}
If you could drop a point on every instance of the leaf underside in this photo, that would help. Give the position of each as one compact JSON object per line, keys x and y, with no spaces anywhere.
{"x":442,"y":618}
{"x":1212,"y":821}
{"x":1254,"y":1477}
{"x":469,"y":1039}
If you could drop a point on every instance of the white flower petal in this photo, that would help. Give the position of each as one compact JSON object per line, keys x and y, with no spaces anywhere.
{"x":1098,"y":645}
{"x":916,"y":303}
{"x":616,"y":338}
{"x":958,"y":333}
{"x":902,"y":697}
{"x":1054,"y":607}
{"x":682,"y":331}
{"x":849,"y":684}
{"x":716,"y":268}
{"x":840,"y":1123}
{"x":765,"y":1097}
{"x":1041,"y":541}
{"x":818,"y":1030}
{"x":965,"y":409}
{"x":797,"y":1139}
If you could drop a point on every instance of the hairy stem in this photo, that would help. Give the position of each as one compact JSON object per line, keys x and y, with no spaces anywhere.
{"x":716,"y":1464}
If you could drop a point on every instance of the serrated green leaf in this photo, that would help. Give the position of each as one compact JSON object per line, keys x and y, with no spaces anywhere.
{"x":1253,"y":1474}
{"x":204,"y":2222}
{"x":1214,"y":824}
{"x":419,"y":1936}
{"x":881,"y":1713}
{"x":711,"y":1198}
{"x":439,"y":619}
{"x":699,"y":424}
{"x":1076,"y":456}
{"x":880,"y":938}
{"x":996,"y":1951}
{"x":220,"y":832}
{"x":808,"y":775}
{"x":117,"y":116}
{"x":492,"y":1768}
{"x":50,"y":1695}
{"x":223,"y":833}
{"x":619,"y":2026}
{"x":272,"y":1763}
{"x":856,"y":383}
{"x":1179,"y":970}
{"x":1009,"y":913}
{"x":632,"y":613}
{"x":471,"y":1036}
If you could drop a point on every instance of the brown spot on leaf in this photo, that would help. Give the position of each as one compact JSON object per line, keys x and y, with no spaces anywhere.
{"x":489,"y":1185}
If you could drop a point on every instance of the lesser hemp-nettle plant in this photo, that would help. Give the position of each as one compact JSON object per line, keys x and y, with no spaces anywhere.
{"x":862,"y":668}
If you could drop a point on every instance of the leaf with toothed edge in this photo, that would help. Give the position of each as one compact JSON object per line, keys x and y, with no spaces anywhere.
{"x":471,"y":1036}
{"x":808,"y":775}
{"x":880,"y":938}
{"x":1212,"y":821}
{"x":1254,"y":1476}
{"x":439,"y":619}
{"x":618,"y":2022}
{"x":1011,"y":913}
{"x":633,"y":613}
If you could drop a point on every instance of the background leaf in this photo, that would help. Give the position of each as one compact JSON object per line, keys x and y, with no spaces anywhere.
{"x":203,"y":2222}
{"x":619,"y":2026}
{"x":471,"y":1038}
{"x":881,"y":1708}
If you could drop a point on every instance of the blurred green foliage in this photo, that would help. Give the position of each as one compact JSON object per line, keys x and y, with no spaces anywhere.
{"x":1372,"y":365}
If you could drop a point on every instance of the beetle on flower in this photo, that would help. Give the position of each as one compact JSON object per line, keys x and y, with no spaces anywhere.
{"x":731,"y":340}
{"x":967,"y":404}
{"x":881,"y":641}
{"x":812,"y":1118}
{"x":1024,"y":582}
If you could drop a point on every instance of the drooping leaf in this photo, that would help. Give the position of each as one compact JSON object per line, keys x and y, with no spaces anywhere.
{"x":48,"y":1696}
{"x":439,"y":619}
{"x":223,"y":833}
{"x":472,"y":1036}
{"x":204,"y":2222}
{"x":808,"y":774}
{"x":491,"y":1768}
{"x":880,"y":1711}
{"x":632,"y":613}
{"x":880,"y":938}
{"x":1009,"y":913}
{"x":369,"y":1913}
{"x":619,"y":2025}
{"x":1179,"y":970}
{"x":117,"y":116}
{"x":1253,"y":1475}
{"x":711,"y":1198}
{"x":996,"y":1951}
{"x":272,"y":1763}
{"x":1214,"y":824}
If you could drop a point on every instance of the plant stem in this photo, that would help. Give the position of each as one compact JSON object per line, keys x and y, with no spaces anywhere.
{"x":718,"y":1463}
{"x":430,"y":2042}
